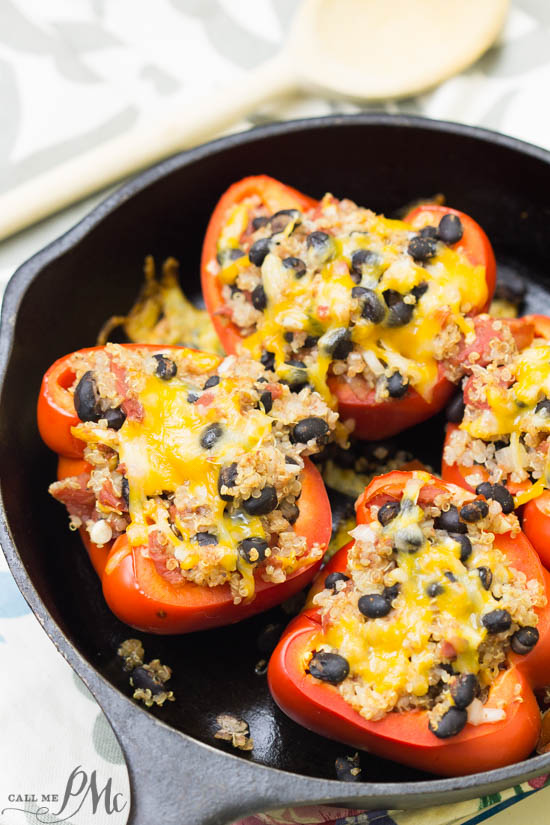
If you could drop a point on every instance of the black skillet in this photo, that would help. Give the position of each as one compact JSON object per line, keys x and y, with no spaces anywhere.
{"x":57,"y":301}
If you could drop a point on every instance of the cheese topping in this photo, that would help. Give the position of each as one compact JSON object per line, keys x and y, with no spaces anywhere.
{"x":212,"y":479}
{"x":320,"y":298}
{"x":435,"y":622}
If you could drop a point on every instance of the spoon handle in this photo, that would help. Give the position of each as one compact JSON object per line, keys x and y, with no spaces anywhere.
{"x":142,"y":146}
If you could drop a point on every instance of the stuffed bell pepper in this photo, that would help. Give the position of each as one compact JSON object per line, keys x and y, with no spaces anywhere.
{"x":189,"y":479}
{"x":498,"y":440}
{"x":372,"y":313}
{"x":423,"y":639}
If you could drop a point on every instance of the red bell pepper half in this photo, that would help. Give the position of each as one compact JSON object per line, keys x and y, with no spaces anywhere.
{"x":405,"y":736}
{"x":134,"y":590}
{"x":373,"y":419}
{"x":535,"y":514}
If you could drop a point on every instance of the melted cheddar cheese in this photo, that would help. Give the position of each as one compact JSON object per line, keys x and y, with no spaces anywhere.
{"x":321,"y":301}
{"x":395,"y":659}
{"x":173,"y":474}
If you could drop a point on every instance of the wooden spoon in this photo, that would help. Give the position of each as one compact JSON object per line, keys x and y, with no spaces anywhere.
{"x":362,"y":49}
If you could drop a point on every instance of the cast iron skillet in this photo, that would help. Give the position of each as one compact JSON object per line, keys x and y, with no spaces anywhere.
{"x":56,"y":303}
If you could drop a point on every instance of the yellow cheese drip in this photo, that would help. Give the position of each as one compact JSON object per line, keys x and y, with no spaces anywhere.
{"x":317,"y":305}
{"x":163,"y":452}
{"x":379,"y":650}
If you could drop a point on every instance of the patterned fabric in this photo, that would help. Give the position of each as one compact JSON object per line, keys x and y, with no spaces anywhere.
{"x":71,"y":75}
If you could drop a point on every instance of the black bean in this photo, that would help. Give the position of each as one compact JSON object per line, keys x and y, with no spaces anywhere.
{"x":454,"y":411}
{"x":227,"y":478}
{"x":419,"y":290}
{"x":297,"y":382}
{"x":203,"y":539}
{"x":450,"y":723}
{"x":428,"y":232}
{"x":338,"y":343}
{"x":497,"y":492}
{"x":309,"y":428}
{"x":333,"y":578}
{"x":115,"y":417}
{"x":486,"y":577}
{"x":310,"y":341}
{"x":449,"y":520}
{"x":259,"y":250}
{"x":265,"y":503}
{"x":399,"y":314}
{"x":290,"y":460}
{"x":524,"y":640}
{"x":543,"y":407}
{"x":166,"y":368}
{"x":297,"y":378}
{"x":450,"y":229}
{"x":253,"y":549}
{"x":281,"y":218}
{"x":86,"y":398}
{"x":397,"y":385}
{"x":388,"y":512}
{"x":408,"y":539}
{"x":259,"y":298}
{"x":192,"y":397}
{"x":464,"y":690}
{"x":328,"y":667}
{"x":288,"y":336}
{"x":213,"y":381}
{"x":391,"y":593}
{"x":295,"y":264}
{"x":448,"y":668}
{"x":261,"y":380}
{"x":497,"y":621}
{"x":348,"y":768}
{"x":268,"y":359}
{"x":465,"y":545}
{"x":374,"y":606}
{"x":450,"y":576}
{"x":359,"y":259}
{"x":144,"y":679}
{"x":318,"y":241}
{"x":210,"y":435}
{"x":291,"y":512}
{"x":435,"y":589}
{"x":260,"y":221}
{"x":371,"y":306}
{"x":484,"y":489}
{"x":474,"y":511}
{"x":125,"y":491}
{"x":421,"y":248}
{"x":226,"y":256}
{"x":266,"y":400}
{"x":392,"y":297}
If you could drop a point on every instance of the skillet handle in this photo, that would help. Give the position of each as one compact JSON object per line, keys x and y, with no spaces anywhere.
{"x":175,"y":779}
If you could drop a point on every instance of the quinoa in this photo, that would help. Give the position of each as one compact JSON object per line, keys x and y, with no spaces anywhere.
{"x":203,"y":468}
{"x":419,"y":610}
